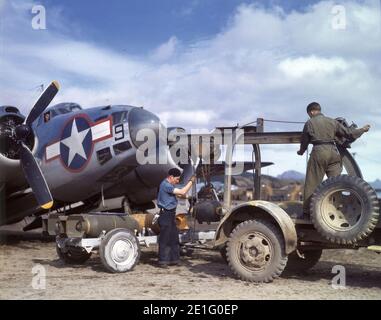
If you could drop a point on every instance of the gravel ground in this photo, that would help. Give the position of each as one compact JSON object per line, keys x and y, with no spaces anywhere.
{"x":203,"y":276}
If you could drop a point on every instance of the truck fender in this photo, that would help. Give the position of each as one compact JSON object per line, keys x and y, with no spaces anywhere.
{"x":253,"y":210}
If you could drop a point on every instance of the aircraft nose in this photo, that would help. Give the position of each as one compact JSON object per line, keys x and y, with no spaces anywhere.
{"x":143,"y":123}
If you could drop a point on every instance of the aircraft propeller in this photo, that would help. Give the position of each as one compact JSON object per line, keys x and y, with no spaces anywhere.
{"x":29,"y":164}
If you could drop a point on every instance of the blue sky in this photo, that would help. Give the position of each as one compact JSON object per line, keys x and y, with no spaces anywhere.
{"x":139,"y":26}
{"x":204,"y":63}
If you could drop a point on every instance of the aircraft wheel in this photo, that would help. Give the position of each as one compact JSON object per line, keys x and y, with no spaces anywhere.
{"x":344,"y":209}
{"x":119,"y":250}
{"x":255,"y":251}
{"x":73,"y":255}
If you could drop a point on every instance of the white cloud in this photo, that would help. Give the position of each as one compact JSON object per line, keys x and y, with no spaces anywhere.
{"x":166,"y":51}
{"x":263,"y":63}
{"x":312,"y":66}
{"x":192,"y":118}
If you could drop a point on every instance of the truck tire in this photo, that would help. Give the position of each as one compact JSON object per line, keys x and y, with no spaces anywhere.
{"x":119,"y":250}
{"x":298,"y":264}
{"x":73,"y":255}
{"x":255,"y":251}
{"x":344,"y":209}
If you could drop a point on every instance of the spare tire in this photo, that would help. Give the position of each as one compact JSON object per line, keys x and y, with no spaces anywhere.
{"x":344,"y":209}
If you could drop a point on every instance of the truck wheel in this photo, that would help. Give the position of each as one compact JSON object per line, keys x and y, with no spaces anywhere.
{"x":255,"y":251}
{"x":119,"y":250}
{"x":344,"y":209}
{"x":306,"y":261}
{"x":73,"y":255}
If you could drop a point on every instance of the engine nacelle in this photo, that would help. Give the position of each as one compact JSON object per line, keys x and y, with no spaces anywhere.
{"x":10,"y":119}
{"x":11,"y":173}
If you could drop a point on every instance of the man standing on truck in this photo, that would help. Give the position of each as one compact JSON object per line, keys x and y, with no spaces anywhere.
{"x":169,"y":248}
{"x":322,"y":132}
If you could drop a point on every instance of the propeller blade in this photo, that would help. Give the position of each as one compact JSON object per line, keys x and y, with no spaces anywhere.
{"x":188,"y":172}
{"x":35,"y":178}
{"x":42,"y":102}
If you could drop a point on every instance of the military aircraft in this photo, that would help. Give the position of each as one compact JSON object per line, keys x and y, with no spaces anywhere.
{"x":70,"y":159}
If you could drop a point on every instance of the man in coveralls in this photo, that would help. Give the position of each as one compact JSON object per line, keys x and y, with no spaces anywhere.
{"x":169,"y":247}
{"x":325,"y":158}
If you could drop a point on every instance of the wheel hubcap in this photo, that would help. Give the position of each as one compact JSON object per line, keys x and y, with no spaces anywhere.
{"x":255,"y":251}
{"x":342,"y":210}
{"x":122,"y":252}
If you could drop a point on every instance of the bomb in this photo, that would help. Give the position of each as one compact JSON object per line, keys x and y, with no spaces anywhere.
{"x":208,"y":211}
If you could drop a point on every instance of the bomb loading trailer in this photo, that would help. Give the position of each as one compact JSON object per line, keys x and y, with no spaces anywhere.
{"x":258,"y":239}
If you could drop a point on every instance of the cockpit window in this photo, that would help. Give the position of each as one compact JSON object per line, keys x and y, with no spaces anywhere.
{"x":54,"y":113}
{"x":56,"y":110}
{"x":75,"y":108}
{"x":119,"y":117}
{"x":64,"y":110}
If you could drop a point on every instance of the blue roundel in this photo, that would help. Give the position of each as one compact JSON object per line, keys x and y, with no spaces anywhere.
{"x":76,"y":143}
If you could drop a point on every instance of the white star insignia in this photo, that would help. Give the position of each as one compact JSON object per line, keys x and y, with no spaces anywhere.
{"x":74,"y":142}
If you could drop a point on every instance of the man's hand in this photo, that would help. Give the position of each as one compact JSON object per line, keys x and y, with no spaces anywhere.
{"x":299,"y":152}
{"x":366,"y":128}
{"x":183,"y":191}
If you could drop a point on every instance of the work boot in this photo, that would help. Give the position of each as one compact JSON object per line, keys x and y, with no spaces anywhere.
{"x":163,"y":264}
{"x":174,"y":263}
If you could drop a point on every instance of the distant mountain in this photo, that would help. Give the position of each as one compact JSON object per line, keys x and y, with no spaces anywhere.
{"x":376,"y":184}
{"x":291,"y":175}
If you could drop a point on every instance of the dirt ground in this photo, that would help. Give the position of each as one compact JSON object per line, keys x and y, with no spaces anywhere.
{"x":203,"y":276}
